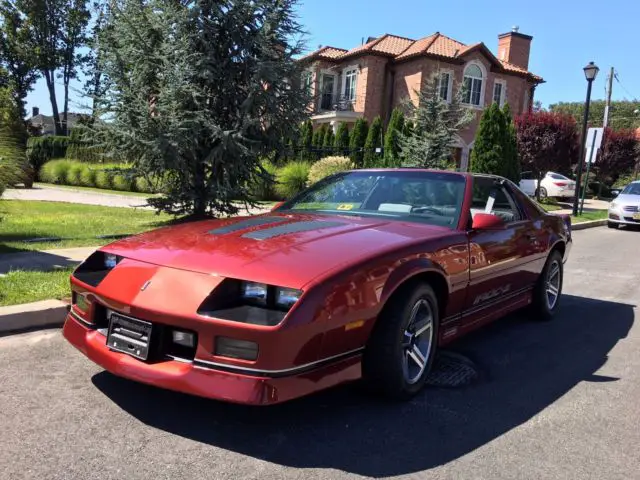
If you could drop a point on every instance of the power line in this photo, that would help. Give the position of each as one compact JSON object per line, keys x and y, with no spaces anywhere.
{"x":615,"y":75}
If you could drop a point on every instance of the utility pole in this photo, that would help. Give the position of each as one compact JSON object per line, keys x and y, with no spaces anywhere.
{"x":605,"y":122}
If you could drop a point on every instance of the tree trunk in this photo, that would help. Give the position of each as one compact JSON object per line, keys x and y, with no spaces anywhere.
{"x":49,"y":76}
{"x":65,"y":114}
{"x":200,"y":202}
{"x":538,"y":186}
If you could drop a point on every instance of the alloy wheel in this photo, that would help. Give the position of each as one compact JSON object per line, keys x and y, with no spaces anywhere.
{"x":552,"y":284}
{"x":417,"y":341}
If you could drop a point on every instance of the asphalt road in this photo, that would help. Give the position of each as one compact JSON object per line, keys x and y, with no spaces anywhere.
{"x":559,"y":400}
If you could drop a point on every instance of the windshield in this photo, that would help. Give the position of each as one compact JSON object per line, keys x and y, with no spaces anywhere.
{"x":425,"y":197}
{"x":631,"y":189}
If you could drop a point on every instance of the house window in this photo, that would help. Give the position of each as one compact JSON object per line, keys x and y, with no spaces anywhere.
{"x":349,"y":85}
{"x":327,"y":89}
{"x":307,"y":80}
{"x":445,"y":86}
{"x":473,"y":85}
{"x":499,"y":88}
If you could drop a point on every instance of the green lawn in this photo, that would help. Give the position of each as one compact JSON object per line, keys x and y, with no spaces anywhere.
{"x":21,"y":286}
{"x":589,"y":216}
{"x":98,"y":190}
{"x":78,"y":225}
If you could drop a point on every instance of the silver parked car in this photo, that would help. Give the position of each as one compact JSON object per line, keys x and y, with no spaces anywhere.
{"x":625,"y":208}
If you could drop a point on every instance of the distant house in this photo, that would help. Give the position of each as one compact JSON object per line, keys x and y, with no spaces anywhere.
{"x":44,"y":123}
{"x":373,"y":78}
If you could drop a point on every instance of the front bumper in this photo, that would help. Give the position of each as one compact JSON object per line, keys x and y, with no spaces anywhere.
{"x":195,"y":379}
{"x":622,"y":217}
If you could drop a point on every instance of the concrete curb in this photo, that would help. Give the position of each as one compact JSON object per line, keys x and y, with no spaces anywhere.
{"x":32,"y":316}
{"x":591,"y":224}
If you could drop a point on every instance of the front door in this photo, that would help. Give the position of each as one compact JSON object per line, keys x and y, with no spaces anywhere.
{"x":497,"y":257}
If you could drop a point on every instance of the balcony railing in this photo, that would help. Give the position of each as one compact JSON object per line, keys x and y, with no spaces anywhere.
{"x":335,"y":103}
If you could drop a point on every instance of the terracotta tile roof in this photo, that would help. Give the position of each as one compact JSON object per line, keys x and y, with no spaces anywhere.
{"x":510,"y":67}
{"x":418,"y":47}
{"x":328,"y":53}
{"x":391,"y":45}
{"x":445,"y":46}
{"x":401,"y":48}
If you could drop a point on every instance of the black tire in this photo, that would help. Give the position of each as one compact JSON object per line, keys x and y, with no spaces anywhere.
{"x":383,"y":360}
{"x":613,"y":225}
{"x":543,"y":192}
{"x":540,"y":308}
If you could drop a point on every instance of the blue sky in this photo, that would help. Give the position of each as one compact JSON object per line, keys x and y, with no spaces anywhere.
{"x":567,"y":34}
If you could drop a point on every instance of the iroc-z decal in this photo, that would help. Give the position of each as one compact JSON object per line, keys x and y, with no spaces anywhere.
{"x":496,"y":292}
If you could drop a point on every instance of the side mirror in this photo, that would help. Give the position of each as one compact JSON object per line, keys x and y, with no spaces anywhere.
{"x":276,"y":206}
{"x":615,"y":193}
{"x":487,"y":221}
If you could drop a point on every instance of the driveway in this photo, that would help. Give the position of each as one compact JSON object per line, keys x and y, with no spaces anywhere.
{"x":556,"y":400}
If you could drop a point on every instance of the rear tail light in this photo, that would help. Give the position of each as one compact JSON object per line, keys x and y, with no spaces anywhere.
{"x":560,"y":184}
{"x":235,"y":348}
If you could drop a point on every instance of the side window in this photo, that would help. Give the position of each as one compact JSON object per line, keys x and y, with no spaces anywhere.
{"x":491,"y":197}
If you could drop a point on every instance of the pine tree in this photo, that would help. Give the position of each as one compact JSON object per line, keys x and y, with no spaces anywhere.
{"x":203,"y":97}
{"x":357,"y":141}
{"x":342,"y":139}
{"x":488,"y":151}
{"x":436,"y":124}
{"x":374,"y":141}
{"x":512,"y":169}
{"x":329,"y":141}
{"x":391,"y":139}
{"x":322,"y":133}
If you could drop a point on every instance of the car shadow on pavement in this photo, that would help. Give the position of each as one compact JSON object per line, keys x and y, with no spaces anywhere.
{"x":525,"y":367}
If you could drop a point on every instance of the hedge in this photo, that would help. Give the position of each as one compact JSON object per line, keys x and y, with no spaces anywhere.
{"x":40,"y":150}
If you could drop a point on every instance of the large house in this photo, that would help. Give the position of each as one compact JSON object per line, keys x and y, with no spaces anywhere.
{"x":45,"y":125}
{"x":375,"y":77}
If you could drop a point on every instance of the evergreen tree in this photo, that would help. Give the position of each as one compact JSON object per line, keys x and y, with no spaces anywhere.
{"x":512,"y":169}
{"x":203,"y":97}
{"x":342,"y":139}
{"x":408,"y":128}
{"x":391,"y":139}
{"x":488,"y":152}
{"x":436,"y":123}
{"x":357,"y":141}
{"x":306,"y":140}
{"x":316,"y":142}
{"x":322,"y":132}
{"x":329,"y":141}
{"x":374,"y":141}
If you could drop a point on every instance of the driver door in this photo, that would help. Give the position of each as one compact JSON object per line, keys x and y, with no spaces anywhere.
{"x":497,"y":257}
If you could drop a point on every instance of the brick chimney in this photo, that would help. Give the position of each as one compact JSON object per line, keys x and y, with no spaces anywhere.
{"x":35,"y":111}
{"x":514,"y":47}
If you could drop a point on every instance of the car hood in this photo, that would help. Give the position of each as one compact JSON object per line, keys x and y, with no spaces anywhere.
{"x":626,"y":199}
{"x":277,"y":248}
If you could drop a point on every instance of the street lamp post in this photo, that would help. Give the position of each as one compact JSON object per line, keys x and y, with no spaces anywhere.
{"x":590,"y":73}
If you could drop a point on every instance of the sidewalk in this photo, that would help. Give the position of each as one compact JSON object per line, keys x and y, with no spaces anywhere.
{"x":44,"y":259}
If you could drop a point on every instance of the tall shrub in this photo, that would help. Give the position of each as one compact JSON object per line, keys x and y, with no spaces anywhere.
{"x":373,"y":142}
{"x":328,"y":166}
{"x":512,"y":169}
{"x":618,"y":155}
{"x":292,"y":179}
{"x":329,"y":141}
{"x":13,"y":136}
{"x":392,"y":139}
{"x":40,"y":150}
{"x":547,"y":141}
{"x":306,"y":141}
{"x":488,"y":148}
{"x":357,"y":140}
{"x":342,"y":139}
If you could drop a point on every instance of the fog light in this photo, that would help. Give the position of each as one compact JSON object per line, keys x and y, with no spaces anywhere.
{"x":183,"y":338}
{"x":234,"y":348}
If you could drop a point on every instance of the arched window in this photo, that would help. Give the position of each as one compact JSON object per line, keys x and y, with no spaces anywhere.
{"x":473,"y":79}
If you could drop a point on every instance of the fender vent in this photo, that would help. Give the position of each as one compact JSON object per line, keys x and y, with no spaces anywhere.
{"x":295,"y":227}
{"x":244,"y":224}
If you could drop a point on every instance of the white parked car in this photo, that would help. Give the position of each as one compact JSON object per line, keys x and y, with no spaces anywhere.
{"x":625,"y":208}
{"x":552,"y":185}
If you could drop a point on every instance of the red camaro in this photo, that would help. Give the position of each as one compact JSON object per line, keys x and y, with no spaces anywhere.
{"x":364,"y":275}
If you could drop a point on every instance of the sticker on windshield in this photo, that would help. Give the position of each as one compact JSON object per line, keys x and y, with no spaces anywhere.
{"x":345,"y":206}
